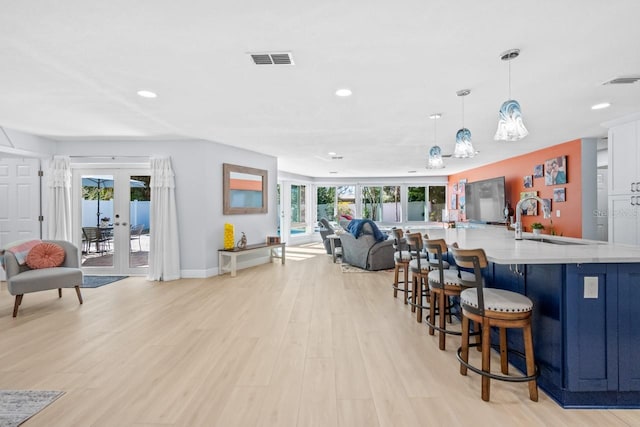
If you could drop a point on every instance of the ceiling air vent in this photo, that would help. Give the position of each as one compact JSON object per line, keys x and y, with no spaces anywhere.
{"x":622,"y":81}
{"x":280,"y":58}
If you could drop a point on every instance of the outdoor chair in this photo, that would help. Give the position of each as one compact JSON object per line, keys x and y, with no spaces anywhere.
{"x":99,"y":236}
{"x":135,"y":233}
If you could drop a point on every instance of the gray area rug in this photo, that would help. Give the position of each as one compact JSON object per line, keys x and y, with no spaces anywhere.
{"x":17,"y":406}
{"x":348,"y":268}
{"x":97,"y":281}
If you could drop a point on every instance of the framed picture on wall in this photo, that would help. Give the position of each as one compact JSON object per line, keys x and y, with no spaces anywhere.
{"x":555,"y":171}
{"x":538,"y":171}
{"x":529,"y":207}
{"x":559,"y":195}
{"x":546,"y":205}
{"x":454,"y":201}
{"x":528,"y":181}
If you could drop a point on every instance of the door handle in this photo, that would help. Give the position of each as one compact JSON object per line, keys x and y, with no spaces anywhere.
{"x":633,"y":187}
{"x":124,"y":223}
{"x":116,"y":223}
{"x":632,"y":200}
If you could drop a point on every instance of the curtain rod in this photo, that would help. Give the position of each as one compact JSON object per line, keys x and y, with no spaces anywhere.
{"x":109,"y":157}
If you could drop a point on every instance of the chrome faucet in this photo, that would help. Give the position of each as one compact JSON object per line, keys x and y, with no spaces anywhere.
{"x":518,"y":225}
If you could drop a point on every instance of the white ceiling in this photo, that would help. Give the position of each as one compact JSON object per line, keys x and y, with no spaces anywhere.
{"x":71,"y":70}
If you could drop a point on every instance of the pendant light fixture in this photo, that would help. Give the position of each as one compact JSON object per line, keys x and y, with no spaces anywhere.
{"x":464,"y":147}
{"x":435,"y":153}
{"x":510,"y":125}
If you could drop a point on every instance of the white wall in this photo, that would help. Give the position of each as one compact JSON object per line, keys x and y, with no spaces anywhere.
{"x":198,"y":169}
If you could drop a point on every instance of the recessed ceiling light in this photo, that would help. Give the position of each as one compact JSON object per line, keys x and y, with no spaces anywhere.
{"x":343,"y":92}
{"x":435,"y":116}
{"x":333,"y":172}
{"x":147,"y":94}
{"x":332,"y":153}
{"x":411,"y":171}
{"x":601,"y":106}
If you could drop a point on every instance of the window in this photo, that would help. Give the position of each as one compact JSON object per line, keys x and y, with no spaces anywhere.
{"x":437,"y":202}
{"x":382,"y":203}
{"x":416,"y":205}
{"x":326,"y":203}
{"x":298,"y":209}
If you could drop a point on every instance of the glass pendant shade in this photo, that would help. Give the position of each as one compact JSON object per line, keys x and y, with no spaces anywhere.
{"x":435,"y":158}
{"x":510,"y":125}
{"x":464,"y":147}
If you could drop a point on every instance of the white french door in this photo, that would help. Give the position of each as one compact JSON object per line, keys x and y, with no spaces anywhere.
{"x":111,"y":219}
{"x":19,"y":201}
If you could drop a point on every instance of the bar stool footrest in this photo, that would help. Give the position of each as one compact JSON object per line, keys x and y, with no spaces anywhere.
{"x":508,"y":378}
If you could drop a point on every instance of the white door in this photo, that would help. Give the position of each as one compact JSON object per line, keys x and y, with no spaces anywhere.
{"x":19,"y":201}
{"x":111,"y":215}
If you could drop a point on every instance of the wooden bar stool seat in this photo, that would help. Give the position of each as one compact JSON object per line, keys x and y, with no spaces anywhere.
{"x":494,"y":308}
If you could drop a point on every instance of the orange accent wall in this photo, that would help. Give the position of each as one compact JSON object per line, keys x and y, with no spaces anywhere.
{"x":515,"y":169}
{"x":245,"y":184}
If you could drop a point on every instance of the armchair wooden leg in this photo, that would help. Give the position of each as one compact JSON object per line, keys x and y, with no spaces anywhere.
{"x":79,"y":294}
{"x":17,"y":304}
{"x":59,"y":292}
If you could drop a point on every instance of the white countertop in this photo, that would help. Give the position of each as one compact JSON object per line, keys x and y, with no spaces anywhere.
{"x":501,"y":247}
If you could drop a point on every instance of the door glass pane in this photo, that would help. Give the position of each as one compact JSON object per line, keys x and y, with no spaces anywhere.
{"x":437,"y":202}
{"x":416,"y":203}
{"x":346,"y":201}
{"x":391,"y":207}
{"x":372,"y":203}
{"x":326,"y":206}
{"x":97,"y":224}
{"x":298,"y":209}
{"x":140,"y":225}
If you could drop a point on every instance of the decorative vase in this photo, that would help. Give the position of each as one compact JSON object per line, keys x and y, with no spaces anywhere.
{"x":242,"y":243}
{"x":537,"y":231}
{"x":229,"y":238}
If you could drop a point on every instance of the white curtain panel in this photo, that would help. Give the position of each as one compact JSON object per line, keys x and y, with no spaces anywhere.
{"x":59,"y":183}
{"x":164,"y":250}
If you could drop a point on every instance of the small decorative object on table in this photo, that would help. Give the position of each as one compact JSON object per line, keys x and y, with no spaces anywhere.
{"x":242,"y":243}
{"x":228,"y":236}
{"x":104,"y":221}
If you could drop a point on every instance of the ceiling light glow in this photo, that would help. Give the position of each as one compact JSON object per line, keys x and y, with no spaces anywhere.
{"x":147,"y":94}
{"x":343,"y":92}
{"x":601,"y":106}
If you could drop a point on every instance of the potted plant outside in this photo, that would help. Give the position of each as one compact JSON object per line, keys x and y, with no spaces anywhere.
{"x":537,"y":228}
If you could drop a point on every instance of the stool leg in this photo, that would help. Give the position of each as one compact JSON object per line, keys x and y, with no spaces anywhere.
{"x":442,"y":311}
{"x":486,"y":359}
{"x":504,"y":359}
{"x":405,"y":269}
{"x":418,"y":298}
{"x":432,"y":311}
{"x":464,"y":354}
{"x":476,"y":328}
{"x":531,"y":366}
{"x":395,"y":282}
{"x":414,"y":294}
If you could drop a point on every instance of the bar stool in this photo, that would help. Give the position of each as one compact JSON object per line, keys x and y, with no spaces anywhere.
{"x":420,"y":268}
{"x":401,"y":256}
{"x":443,"y":284}
{"x":494,"y":307}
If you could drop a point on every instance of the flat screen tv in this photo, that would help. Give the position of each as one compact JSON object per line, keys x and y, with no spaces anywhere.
{"x":485,"y":200}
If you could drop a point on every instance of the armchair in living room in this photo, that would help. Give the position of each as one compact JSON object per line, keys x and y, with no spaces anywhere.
{"x":370,"y":250}
{"x":326,"y":229}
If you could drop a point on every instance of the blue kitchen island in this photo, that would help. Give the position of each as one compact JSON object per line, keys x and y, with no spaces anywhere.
{"x":586,"y":319}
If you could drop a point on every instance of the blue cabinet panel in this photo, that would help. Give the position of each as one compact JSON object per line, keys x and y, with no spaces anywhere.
{"x":591,"y":326}
{"x":629,"y":327}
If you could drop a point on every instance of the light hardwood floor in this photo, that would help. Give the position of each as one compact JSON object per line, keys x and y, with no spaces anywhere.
{"x":296,"y":345}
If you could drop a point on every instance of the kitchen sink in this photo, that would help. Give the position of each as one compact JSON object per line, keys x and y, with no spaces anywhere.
{"x":553,"y":242}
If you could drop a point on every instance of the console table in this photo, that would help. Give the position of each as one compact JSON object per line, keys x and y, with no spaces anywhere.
{"x":232,"y":255}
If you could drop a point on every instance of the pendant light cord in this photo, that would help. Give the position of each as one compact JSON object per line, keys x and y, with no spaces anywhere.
{"x":509,"y":79}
